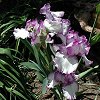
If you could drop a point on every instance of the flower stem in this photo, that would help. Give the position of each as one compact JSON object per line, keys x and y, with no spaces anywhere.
{"x":93,"y":26}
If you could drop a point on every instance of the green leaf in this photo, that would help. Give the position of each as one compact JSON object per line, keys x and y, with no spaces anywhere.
{"x":11,"y":75}
{"x":8,"y":28}
{"x":45,"y":82}
{"x":3,"y":25}
{"x":45,"y":57}
{"x":16,"y":92}
{"x":6,"y":51}
{"x":45,"y":61}
{"x":98,"y":8}
{"x":2,"y":97}
{"x":31,"y":65}
{"x":40,"y":76}
{"x":1,"y":84}
{"x":14,"y":70}
{"x":85,"y":73}
{"x":32,"y":49}
{"x":95,"y":39}
{"x":36,"y":54}
{"x":23,"y":18}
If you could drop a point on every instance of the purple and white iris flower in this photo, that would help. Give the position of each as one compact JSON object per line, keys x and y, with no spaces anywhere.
{"x":33,"y":27}
{"x":76,"y":46}
{"x":36,"y":30}
{"x":54,"y":22}
{"x":65,"y":60}
{"x":63,"y":74}
{"x":51,"y":15}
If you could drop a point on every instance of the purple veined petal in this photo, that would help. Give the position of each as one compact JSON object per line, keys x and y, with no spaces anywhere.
{"x":83,"y":38}
{"x":87,"y":48}
{"x":69,"y":79}
{"x":77,"y":45}
{"x":35,"y":40}
{"x":82,"y":49}
{"x":51,"y":15}
{"x":87,"y":62}
{"x":52,"y":82}
{"x":45,"y":9}
{"x":62,"y":49}
{"x":42,"y":29}
{"x":66,"y":24}
{"x":58,"y":76}
{"x":72,"y":49}
{"x":71,"y":36}
{"x":65,"y":64}
{"x":32,"y":25}
{"x":69,"y":91}
{"x":20,"y":33}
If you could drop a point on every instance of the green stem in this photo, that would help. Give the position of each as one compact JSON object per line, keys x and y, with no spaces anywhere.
{"x":17,"y":45}
{"x":93,"y":26}
{"x":10,"y":95}
{"x":15,"y":98}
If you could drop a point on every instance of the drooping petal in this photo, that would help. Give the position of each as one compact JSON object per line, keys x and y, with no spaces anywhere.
{"x":87,"y":62}
{"x":45,"y":9}
{"x":20,"y":33}
{"x":70,"y":90}
{"x":69,"y":79}
{"x":65,"y":64}
{"x":59,"y":76}
{"x":52,"y":81}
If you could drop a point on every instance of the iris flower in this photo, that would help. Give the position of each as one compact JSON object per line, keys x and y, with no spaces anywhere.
{"x":76,"y":46}
{"x":54,"y":22}
{"x":51,"y":15}
{"x":64,"y":75}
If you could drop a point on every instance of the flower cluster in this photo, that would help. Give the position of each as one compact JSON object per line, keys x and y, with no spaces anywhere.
{"x":65,"y":60}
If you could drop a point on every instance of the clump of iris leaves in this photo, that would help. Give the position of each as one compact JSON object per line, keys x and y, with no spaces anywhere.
{"x":13,"y":76}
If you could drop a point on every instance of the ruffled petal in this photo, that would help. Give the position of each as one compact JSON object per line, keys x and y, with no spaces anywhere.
{"x":53,"y":26}
{"x":87,"y":62}
{"x":65,"y":64}
{"x":20,"y":33}
{"x":70,"y":90}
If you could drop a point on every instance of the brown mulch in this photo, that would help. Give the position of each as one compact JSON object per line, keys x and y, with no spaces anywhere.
{"x":90,"y":89}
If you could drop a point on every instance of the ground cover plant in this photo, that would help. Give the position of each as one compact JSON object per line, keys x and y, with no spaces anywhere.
{"x":51,"y":43}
